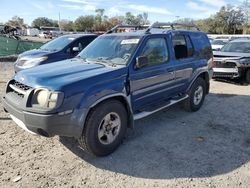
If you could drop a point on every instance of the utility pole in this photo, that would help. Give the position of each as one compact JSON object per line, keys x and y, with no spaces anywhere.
{"x":59,"y":21}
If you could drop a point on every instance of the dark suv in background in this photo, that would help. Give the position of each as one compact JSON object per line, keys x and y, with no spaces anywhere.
{"x":118,"y":78}
{"x":64,"y":47}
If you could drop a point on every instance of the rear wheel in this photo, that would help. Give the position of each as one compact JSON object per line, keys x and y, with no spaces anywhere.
{"x":248,"y":76}
{"x":196,"y":96}
{"x":105,"y":128}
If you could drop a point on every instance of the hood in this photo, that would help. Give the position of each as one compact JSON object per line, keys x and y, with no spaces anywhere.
{"x":36,"y":53}
{"x":60,"y":75}
{"x":234,"y":55}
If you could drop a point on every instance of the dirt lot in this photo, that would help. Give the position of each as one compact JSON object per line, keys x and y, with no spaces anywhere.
{"x":36,"y":39}
{"x":172,"y":148}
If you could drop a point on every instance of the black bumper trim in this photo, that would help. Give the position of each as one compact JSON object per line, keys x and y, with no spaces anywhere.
{"x":70,"y":125}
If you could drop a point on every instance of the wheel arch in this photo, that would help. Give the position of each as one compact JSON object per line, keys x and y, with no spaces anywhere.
{"x":205,"y":76}
{"x":119,"y":97}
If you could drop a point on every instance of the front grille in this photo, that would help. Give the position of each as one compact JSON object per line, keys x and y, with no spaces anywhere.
{"x":225,"y":75}
{"x":18,"y":88}
{"x":21,"y":86}
{"x":219,"y":64}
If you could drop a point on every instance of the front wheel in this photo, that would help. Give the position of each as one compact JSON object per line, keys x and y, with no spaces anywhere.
{"x":105,"y":128}
{"x":196,"y":96}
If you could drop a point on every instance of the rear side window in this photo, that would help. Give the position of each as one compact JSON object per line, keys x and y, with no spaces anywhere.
{"x":202,"y":45}
{"x":156,"y":51}
{"x":182,"y":46}
{"x":190,"y":47}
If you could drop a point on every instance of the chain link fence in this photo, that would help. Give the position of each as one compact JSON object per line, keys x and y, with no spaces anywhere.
{"x":11,"y":46}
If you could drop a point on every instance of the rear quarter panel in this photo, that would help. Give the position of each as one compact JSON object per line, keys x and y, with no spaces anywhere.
{"x":203,"y":54}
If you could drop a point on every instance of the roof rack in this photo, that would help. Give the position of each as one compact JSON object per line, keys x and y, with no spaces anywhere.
{"x":136,"y":27}
{"x":173,"y":26}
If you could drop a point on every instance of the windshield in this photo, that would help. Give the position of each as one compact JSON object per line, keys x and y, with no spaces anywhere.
{"x":218,"y":42}
{"x":57,"y":44}
{"x":115,"y":50}
{"x":241,"y":47}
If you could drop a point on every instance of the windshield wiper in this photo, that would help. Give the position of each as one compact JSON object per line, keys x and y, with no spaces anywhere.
{"x":49,"y":50}
{"x":102,"y":61}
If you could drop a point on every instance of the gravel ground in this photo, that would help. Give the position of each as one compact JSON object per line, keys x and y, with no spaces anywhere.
{"x":172,"y":148}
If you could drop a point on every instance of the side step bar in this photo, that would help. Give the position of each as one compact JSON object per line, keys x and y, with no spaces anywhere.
{"x":146,"y":113}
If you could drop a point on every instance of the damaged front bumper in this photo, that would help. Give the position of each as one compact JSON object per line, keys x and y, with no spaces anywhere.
{"x":228,"y":68}
{"x":226,"y":72}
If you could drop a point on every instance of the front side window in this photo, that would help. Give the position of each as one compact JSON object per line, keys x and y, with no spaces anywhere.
{"x":80,"y":44}
{"x":156,"y":51}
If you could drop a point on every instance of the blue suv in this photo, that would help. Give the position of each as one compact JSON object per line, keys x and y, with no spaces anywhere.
{"x":118,"y":78}
{"x":61,"y":48}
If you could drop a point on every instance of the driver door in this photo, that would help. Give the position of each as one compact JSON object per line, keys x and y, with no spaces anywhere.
{"x":151,"y":84}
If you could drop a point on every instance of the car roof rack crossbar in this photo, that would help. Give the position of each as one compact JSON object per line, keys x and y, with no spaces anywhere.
{"x":114,"y":29}
{"x":173,"y":26}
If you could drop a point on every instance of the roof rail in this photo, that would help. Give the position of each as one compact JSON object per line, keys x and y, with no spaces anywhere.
{"x":137,"y":27}
{"x":170,"y":25}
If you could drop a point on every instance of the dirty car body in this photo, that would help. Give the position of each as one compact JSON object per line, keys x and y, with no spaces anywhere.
{"x":134,"y":74}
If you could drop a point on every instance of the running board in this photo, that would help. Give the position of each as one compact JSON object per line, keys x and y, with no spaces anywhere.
{"x":145,"y":113}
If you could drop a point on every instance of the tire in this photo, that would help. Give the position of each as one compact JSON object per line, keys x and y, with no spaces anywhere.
{"x":248,"y":76}
{"x":105,"y":128}
{"x":196,"y":97}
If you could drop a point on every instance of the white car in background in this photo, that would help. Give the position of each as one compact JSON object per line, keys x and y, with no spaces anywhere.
{"x":217,"y":44}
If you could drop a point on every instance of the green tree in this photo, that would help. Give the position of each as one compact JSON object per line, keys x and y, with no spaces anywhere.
{"x":140,"y":19}
{"x":228,"y":20}
{"x":245,"y":7}
{"x":16,"y":22}
{"x":99,"y":19}
{"x":130,"y":19}
{"x":67,"y":25}
{"x":207,"y":25}
{"x":84,"y":23}
{"x":43,"y":21}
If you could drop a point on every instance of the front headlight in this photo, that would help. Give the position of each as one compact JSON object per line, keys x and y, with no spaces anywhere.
{"x":44,"y":98}
{"x":27,"y":62}
{"x":245,"y":60}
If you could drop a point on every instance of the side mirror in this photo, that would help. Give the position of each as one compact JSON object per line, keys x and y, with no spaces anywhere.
{"x":141,"y":62}
{"x":75,"y":49}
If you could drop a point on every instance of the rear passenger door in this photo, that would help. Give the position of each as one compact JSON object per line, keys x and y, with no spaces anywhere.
{"x":151,"y":84}
{"x":184,"y":59}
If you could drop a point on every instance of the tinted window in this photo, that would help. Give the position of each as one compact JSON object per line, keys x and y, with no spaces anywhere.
{"x":190,"y":47}
{"x":80,"y":43}
{"x":85,"y":42}
{"x":182,"y":46}
{"x":156,"y":51}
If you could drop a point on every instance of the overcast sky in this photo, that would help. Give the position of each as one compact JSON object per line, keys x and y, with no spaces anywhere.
{"x":158,"y":10}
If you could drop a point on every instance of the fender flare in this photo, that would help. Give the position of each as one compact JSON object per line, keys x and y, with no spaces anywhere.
{"x":126,"y":99}
{"x":197,"y":75}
